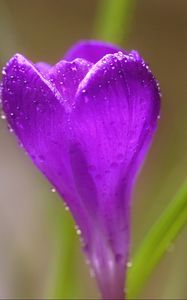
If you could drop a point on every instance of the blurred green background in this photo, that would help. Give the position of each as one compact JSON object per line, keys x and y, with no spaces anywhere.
{"x":30,"y":213}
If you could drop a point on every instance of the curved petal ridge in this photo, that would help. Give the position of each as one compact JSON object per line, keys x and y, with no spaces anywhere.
{"x":91,"y":50}
{"x":43,"y":68}
{"x":65,"y":76}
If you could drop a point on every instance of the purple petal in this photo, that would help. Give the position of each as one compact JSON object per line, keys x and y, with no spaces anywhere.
{"x":92,"y":50}
{"x":39,"y":116}
{"x":66,"y":76}
{"x":42,"y":67}
{"x":87,"y":128}
{"x":115,"y":117}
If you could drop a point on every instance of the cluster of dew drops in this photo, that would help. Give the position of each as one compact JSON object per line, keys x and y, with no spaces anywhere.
{"x":2,"y":114}
{"x":78,"y":231}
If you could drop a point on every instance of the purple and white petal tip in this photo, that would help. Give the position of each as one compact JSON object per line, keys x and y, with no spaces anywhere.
{"x":87,"y":124}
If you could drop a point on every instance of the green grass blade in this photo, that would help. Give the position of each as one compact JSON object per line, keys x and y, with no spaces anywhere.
{"x":156,"y":243}
{"x":64,"y":287}
{"x":62,"y":281}
{"x":113,"y":19}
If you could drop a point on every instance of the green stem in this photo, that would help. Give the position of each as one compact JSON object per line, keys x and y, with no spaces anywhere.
{"x":156,"y":243}
{"x":62,"y":280}
{"x":113,"y":19}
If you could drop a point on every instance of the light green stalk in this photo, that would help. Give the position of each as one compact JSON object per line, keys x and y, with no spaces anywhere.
{"x":156,"y":243}
{"x":113,"y":20}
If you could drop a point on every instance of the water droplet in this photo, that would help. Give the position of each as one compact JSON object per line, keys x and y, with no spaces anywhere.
{"x":74,"y":68}
{"x":78,"y":231}
{"x":10,"y":129}
{"x":66,"y":207}
{"x":53,"y":190}
{"x":3,"y":117}
{"x":3,"y":71}
{"x":129,"y":264}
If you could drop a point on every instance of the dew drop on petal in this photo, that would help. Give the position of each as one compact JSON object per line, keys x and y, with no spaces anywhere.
{"x":66,"y":207}
{"x":3,"y":71}
{"x":3,"y":117}
{"x":10,"y":129}
{"x":78,"y":231}
{"x":129,"y":264}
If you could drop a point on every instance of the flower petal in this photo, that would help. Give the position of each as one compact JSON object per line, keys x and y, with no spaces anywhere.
{"x":65,"y":77}
{"x":38,"y":114}
{"x":92,"y":50}
{"x":117,"y":106}
{"x":87,"y":128}
{"x":116,"y":113}
{"x":43,"y":68}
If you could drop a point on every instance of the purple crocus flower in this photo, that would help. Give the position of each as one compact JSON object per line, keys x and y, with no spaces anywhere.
{"x":87,"y":123}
